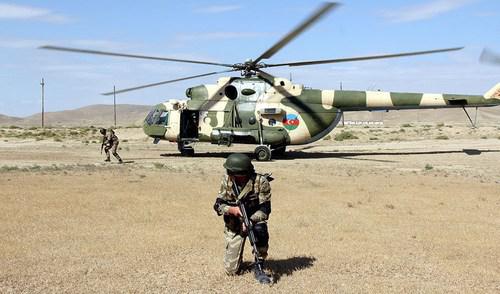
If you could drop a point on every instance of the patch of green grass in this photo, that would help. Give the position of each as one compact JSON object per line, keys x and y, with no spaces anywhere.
{"x":57,"y":139}
{"x":402,"y":130}
{"x":484,"y":137}
{"x":440,"y":125}
{"x":406,"y":126}
{"x":125,"y":141}
{"x":6,"y":168}
{"x":442,"y":137}
{"x":428,"y":167}
{"x":373,"y":138}
{"x":158,"y":165}
{"x":345,"y":135}
{"x":327,"y":137}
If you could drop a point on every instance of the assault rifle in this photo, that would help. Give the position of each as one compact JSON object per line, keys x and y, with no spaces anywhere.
{"x":260,"y":275}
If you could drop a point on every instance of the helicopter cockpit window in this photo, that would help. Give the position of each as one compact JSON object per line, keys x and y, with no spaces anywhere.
{"x":163,"y":119}
{"x":157,"y":117}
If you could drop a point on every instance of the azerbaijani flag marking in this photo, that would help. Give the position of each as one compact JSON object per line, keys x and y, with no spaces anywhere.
{"x":291,"y":122}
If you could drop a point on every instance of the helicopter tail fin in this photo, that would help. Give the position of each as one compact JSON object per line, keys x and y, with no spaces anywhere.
{"x":493,"y":93}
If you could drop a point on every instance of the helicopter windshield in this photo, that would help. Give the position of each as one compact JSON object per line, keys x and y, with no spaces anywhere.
{"x":157,"y":117}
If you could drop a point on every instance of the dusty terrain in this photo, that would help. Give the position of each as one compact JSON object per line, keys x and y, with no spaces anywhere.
{"x":412,"y":208}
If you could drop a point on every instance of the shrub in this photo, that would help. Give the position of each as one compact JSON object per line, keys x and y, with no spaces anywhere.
{"x":442,"y":137}
{"x":428,"y":167}
{"x":158,"y":165}
{"x":406,"y":126}
{"x":345,"y":135}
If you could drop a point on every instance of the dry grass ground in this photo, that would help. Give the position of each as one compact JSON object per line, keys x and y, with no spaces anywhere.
{"x":348,"y":216}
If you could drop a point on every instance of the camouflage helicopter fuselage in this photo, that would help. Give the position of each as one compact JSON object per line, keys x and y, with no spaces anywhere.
{"x":278,"y":113}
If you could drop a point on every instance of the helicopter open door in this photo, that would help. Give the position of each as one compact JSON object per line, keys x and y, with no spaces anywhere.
{"x":188,"y":133}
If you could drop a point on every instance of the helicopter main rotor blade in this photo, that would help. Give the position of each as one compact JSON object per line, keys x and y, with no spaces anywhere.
{"x":301,"y":63}
{"x":488,"y":56}
{"x":326,"y":7}
{"x":165,"y":82}
{"x":86,"y":51}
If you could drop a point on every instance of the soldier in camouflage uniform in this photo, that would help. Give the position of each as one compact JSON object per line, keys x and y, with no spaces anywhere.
{"x":110,"y":142}
{"x":256,"y":191}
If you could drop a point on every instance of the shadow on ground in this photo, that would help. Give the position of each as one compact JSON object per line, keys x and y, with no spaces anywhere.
{"x":280,"y":267}
{"x":299,"y":154}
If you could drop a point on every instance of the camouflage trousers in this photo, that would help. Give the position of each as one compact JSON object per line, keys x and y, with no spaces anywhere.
{"x":113,"y":149}
{"x":235,"y":243}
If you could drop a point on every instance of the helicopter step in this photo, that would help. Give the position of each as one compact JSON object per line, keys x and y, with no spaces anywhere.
{"x":185,"y":146}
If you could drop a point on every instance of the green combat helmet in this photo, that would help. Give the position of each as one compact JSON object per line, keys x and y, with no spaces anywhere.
{"x":238,"y":163}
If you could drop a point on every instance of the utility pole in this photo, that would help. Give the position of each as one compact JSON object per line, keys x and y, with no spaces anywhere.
{"x":114,"y":103}
{"x":43,"y":98}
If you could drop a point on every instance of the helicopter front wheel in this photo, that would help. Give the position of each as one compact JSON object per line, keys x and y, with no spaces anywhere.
{"x":262,"y":153}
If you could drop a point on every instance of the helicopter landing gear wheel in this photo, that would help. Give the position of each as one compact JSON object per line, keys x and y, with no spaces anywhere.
{"x":262,"y":153}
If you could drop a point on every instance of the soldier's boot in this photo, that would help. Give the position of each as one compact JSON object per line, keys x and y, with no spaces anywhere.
{"x":118,"y":157}
{"x":107,"y":160}
{"x":259,"y":273}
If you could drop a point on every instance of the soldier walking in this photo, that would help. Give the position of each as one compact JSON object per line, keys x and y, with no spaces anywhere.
{"x":110,"y":143}
{"x":256,"y":192}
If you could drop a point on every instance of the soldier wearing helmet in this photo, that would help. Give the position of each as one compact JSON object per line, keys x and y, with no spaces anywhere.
{"x":256,"y":191}
{"x":110,"y":143}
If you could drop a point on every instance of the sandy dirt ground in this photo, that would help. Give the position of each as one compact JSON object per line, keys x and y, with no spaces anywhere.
{"x":385,"y":215}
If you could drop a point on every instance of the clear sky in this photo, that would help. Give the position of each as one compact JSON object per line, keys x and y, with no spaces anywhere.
{"x":230,"y":32}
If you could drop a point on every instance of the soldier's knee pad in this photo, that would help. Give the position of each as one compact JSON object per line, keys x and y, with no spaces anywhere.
{"x":261,"y":234}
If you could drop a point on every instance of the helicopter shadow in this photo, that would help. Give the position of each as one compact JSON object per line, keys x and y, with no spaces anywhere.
{"x":207,"y":154}
{"x":300,"y":154}
{"x":282,"y":267}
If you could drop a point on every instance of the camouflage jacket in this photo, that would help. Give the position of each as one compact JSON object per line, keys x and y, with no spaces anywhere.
{"x":110,"y":138}
{"x":257,"y":198}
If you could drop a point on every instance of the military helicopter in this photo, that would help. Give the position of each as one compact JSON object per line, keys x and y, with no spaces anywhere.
{"x":271,"y":112}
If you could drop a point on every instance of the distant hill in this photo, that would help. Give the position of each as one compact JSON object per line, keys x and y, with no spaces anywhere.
{"x":95,"y":115}
{"x":9,"y":120}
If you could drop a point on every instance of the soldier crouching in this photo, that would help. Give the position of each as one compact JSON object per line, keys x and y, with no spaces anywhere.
{"x":110,"y":143}
{"x":256,"y":191}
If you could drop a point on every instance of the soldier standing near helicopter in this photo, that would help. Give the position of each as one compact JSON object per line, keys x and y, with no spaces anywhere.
{"x":110,"y":142}
{"x":256,"y":197}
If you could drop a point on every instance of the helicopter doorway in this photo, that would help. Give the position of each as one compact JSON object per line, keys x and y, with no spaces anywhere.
{"x":189,"y":125}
